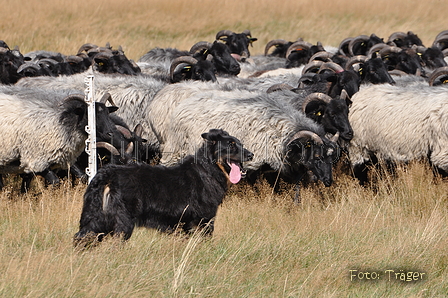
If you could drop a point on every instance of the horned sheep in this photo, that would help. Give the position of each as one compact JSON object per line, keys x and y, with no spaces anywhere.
{"x":43,"y":129}
{"x":131,"y":94}
{"x":274,"y":131}
{"x":399,"y":124}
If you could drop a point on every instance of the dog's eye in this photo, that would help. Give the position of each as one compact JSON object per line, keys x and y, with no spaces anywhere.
{"x":232,"y":145}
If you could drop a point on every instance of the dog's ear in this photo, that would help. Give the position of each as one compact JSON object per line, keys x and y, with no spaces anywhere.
{"x":205,"y":135}
{"x":214,"y":134}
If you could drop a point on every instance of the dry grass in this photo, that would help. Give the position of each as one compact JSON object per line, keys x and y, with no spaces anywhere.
{"x":264,"y":245}
{"x":140,"y":25}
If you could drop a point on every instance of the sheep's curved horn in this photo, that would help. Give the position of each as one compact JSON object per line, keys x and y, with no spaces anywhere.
{"x":437,"y":73}
{"x":201,"y":45}
{"x":389,"y":49}
{"x":124,"y":131}
{"x":223,"y":33}
{"x":86,"y":47}
{"x":445,"y":52}
{"x":79,"y":97}
{"x":48,"y":61}
{"x":359,"y":38}
{"x":182,"y":59}
{"x":28,"y":65}
{"x":278,"y":87}
{"x":73,"y":59}
{"x":322,"y":55}
{"x":444,"y":32}
{"x":376,"y":49}
{"x":397,"y":72}
{"x":107,"y":97}
{"x":110,"y":147}
{"x":272,"y":43}
{"x":312,"y":66}
{"x":247,"y":33}
{"x":331,"y":66}
{"x":306,"y":79}
{"x":419,"y":49}
{"x":442,"y":36}
{"x":344,"y":95}
{"x":307,"y":134}
{"x":397,"y":35}
{"x":303,"y":45}
{"x":344,"y":42}
{"x":355,"y":59}
{"x":129,"y":148}
{"x":317,"y":96}
{"x":138,"y":130}
{"x":335,"y":137}
{"x":104,"y":55}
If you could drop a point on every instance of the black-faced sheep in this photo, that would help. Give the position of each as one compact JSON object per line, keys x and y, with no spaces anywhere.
{"x":44,"y":129}
{"x":278,"y":135}
{"x":399,"y":124}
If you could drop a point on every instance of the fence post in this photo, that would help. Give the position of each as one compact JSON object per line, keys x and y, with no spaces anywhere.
{"x":91,"y":127}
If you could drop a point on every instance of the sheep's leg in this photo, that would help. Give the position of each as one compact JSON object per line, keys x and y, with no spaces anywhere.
{"x":361,"y":172}
{"x":26,"y":182}
{"x":297,"y":199}
{"x":50,"y":177}
{"x":76,"y":171}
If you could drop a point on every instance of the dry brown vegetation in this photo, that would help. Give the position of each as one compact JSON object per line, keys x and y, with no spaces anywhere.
{"x":264,"y":245}
{"x":141,"y":25}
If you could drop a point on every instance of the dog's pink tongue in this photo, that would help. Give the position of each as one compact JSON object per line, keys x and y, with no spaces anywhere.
{"x":235,"y":173}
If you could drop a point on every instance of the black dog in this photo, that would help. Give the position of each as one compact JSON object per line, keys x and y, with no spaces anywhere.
{"x":165,"y":198}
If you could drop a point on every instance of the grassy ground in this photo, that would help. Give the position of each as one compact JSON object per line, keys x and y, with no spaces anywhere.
{"x":264,"y":245}
{"x":140,"y":25}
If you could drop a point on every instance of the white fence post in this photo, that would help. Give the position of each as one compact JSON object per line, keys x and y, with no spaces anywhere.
{"x":91,"y":127}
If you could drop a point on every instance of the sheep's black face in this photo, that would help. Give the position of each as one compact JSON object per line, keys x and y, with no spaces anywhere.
{"x":238,"y":44}
{"x":408,"y":61}
{"x":375,"y":71}
{"x":433,"y":58}
{"x":203,"y":71}
{"x":228,"y":152}
{"x":335,"y":119}
{"x":223,"y":60}
{"x":314,"y":157}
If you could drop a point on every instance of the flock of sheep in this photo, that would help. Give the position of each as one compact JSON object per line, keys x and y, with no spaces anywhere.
{"x":296,"y":107}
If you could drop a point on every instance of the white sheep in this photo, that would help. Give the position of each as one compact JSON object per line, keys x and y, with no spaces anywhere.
{"x":400,"y":124}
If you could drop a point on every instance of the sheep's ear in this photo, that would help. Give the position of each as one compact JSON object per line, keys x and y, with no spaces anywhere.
{"x":74,"y":109}
{"x":112,"y":109}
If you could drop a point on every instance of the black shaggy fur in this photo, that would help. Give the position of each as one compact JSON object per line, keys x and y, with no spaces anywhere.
{"x":184,"y":196}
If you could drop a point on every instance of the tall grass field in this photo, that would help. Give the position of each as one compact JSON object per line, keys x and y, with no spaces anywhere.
{"x":389,"y":239}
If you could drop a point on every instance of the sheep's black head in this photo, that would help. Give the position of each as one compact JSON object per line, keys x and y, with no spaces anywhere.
{"x":224,"y":62}
{"x":331,"y":113}
{"x":371,"y":70}
{"x":189,"y":68}
{"x":433,"y":58}
{"x":238,"y":43}
{"x":307,"y":152}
